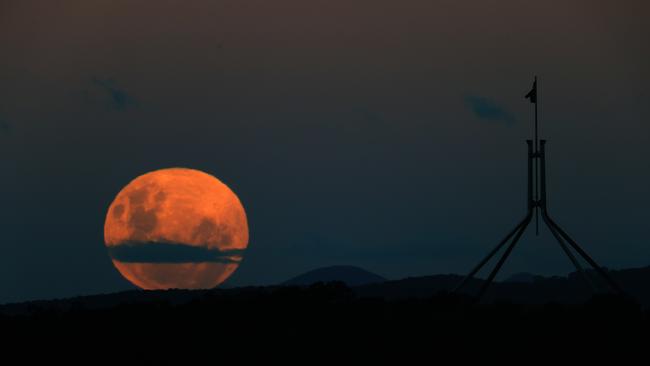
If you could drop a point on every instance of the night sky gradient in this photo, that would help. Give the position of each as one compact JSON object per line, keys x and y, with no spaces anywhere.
{"x":383,"y":134}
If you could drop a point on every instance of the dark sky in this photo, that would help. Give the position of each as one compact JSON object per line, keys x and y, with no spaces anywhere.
{"x":384,"y":134}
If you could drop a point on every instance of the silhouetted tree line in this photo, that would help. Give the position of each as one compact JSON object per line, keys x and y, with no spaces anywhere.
{"x":324,"y":317}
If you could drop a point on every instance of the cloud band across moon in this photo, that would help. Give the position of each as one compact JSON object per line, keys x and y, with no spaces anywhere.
{"x":155,"y":252}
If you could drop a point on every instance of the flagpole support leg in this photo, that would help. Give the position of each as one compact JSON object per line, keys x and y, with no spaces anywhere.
{"x":505,"y":256}
{"x":487,"y":258}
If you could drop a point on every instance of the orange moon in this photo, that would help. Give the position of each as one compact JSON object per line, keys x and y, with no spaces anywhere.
{"x":176,"y":228}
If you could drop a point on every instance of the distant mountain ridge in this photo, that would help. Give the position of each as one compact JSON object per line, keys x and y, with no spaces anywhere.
{"x":350,"y":275}
{"x":569,"y":289}
{"x":523,"y":288}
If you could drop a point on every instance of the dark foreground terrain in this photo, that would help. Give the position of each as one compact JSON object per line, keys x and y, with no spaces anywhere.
{"x":321,"y":321}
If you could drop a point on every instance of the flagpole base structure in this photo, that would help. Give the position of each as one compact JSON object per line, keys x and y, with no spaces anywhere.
{"x":537,"y":159}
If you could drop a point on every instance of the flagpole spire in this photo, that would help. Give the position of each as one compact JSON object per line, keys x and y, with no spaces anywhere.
{"x":532,"y":97}
{"x":536,"y":161}
{"x":536,"y":136}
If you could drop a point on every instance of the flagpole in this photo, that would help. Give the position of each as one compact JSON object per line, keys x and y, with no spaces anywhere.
{"x":540,"y":207}
{"x":536,"y":164}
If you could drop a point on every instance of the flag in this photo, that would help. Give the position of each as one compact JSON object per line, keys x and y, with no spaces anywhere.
{"x":532,"y":94}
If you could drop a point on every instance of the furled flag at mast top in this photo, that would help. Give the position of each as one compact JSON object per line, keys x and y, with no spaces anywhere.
{"x":532,"y":94}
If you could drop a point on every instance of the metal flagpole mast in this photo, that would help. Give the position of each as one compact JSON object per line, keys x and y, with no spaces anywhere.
{"x":536,"y":163}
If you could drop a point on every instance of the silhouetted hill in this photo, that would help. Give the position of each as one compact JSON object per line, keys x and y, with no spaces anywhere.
{"x":319,"y":320}
{"x":350,"y":275}
{"x":535,"y":289}
{"x":522,"y":277}
{"x":635,"y":281}
{"x":408,"y":316}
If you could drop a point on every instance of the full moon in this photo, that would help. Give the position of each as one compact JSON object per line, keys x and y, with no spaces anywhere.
{"x":176,"y":228}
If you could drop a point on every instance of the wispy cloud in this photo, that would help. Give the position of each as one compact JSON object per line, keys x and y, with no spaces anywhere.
{"x":119,"y":98}
{"x":487,"y":109}
{"x":154,"y":252}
